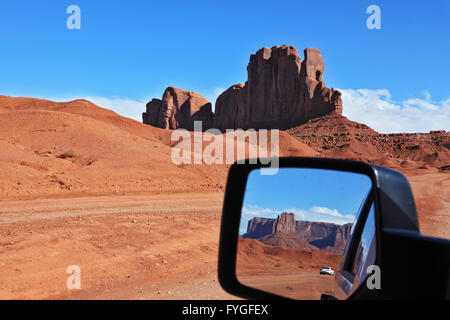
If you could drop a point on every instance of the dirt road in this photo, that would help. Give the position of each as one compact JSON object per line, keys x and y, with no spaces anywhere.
{"x":127,"y":247}
{"x":301,"y":286}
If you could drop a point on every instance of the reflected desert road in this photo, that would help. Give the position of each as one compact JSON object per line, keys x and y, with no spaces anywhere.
{"x":301,"y":286}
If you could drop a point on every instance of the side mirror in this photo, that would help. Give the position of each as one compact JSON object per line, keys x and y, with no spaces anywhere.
{"x":325,"y":229}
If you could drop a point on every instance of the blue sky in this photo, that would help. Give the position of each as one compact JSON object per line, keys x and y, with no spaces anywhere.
{"x":312,"y":194}
{"x":129,"y":51}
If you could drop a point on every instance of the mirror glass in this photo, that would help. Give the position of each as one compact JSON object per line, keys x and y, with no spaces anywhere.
{"x":365,"y":251}
{"x":294,"y":228}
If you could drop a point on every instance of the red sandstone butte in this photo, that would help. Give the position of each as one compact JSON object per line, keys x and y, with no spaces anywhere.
{"x":178,"y":109}
{"x":281,"y":92}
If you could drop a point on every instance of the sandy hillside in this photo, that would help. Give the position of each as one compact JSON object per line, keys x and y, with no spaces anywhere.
{"x":74,"y":148}
{"x":254,"y":256}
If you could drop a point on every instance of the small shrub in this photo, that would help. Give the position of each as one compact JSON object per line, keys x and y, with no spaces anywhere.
{"x":67,"y":155}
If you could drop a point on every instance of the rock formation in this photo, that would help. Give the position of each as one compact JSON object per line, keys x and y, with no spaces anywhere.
{"x":281,"y":92}
{"x":178,"y":109}
{"x":285,"y":231}
{"x":335,"y":136}
{"x":325,"y":236}
{"x":288,"y":240}
{"x":260,"y":227}
{"x":285,"y":223}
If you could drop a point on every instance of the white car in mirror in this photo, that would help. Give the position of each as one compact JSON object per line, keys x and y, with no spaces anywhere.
{"x":326,"y":270}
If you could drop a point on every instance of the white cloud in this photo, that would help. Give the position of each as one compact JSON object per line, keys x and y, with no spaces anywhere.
{"x":427,"y":95}
{"x":257,"y":211}
{"x":125,"y":107}
{"x":315,"y":213}
{"x":325,"y":210}
{"x":376,"y":109}
{"x":321,"y":214}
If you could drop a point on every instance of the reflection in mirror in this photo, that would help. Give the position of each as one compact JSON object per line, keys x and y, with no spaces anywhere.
{"x":294,"y":228}
{"x":365,"y":251}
